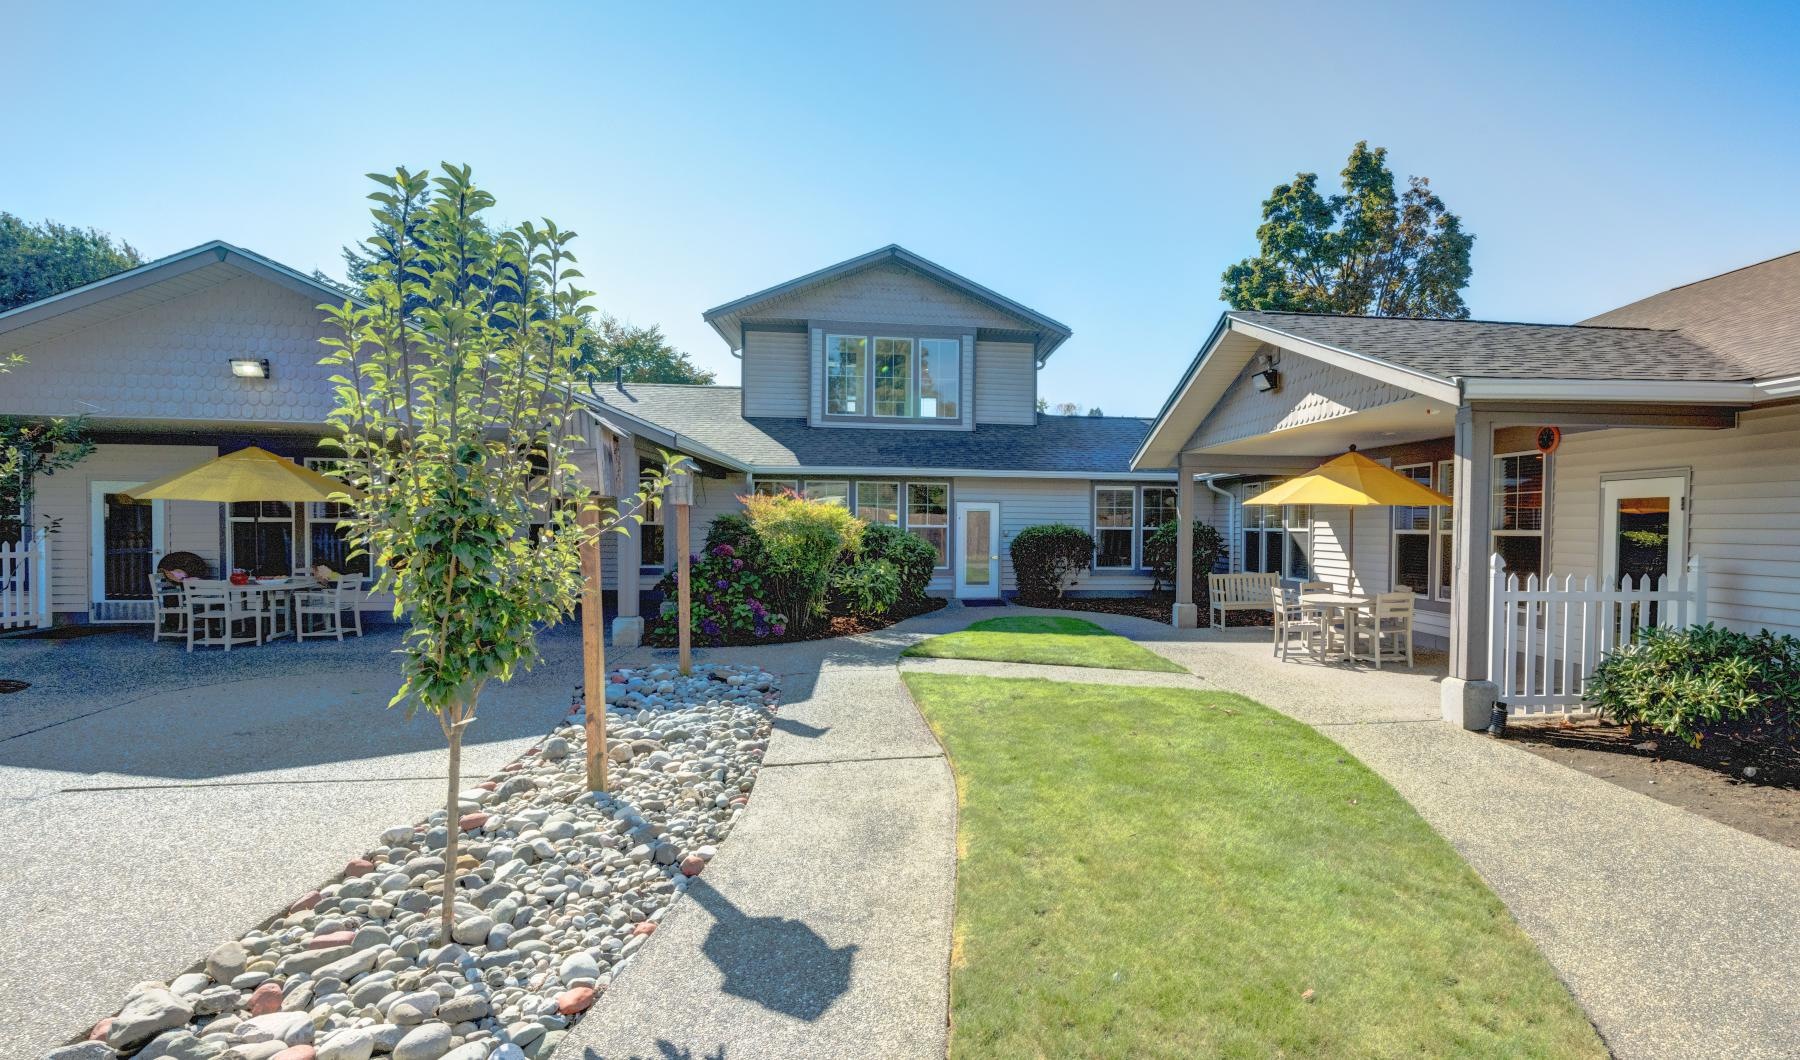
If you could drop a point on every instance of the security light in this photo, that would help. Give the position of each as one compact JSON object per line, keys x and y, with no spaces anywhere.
{"x":250,"y":367}
{"x":1268,"y":381}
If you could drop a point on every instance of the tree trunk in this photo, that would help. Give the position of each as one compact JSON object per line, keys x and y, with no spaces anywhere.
{"x":451,"y":808}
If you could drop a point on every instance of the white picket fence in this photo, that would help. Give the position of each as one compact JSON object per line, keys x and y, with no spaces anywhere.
{"x":1545,"y":639}
{"x":25,"y":584}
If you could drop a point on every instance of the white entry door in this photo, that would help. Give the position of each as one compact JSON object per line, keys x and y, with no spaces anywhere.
{"x":977,"y":550}
{"x":1643,"y":528}
{"x":125,"y":541}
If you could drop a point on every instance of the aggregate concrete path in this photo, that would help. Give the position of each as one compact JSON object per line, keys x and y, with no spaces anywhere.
{"x":1674,"y":932}
{"x":822,"y":929}
{"x":157,"y":803}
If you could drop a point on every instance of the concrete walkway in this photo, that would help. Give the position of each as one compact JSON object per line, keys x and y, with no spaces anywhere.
{"x":157,"y":803}
{"x":822,"y":929}
{"x":1674,"y":932}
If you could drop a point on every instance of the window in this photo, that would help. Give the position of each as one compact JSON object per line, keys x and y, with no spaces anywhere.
{"x":928,"y":516}
{"x":261,"y":538}
{"x":1265,"y":534}
{"x":846,"y":365}
{"x":940,"y":378}
{"x":836,"y":491}
{"x":894,"y":395}
{"x":878,"y":503}
{"x":1159,"y":507}
{"x":1299,"y":541}
{"x":769,"y":487}
{"x":1115,"y":525}
{"x":1518,"y":512}
{"x":652,"y":537}
{"x":1412,"y":537}
{"x":1446,"y":517}
{"x":326,"y":542}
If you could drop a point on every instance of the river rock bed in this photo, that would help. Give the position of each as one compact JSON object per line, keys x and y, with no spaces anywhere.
{"x":557,"y":889}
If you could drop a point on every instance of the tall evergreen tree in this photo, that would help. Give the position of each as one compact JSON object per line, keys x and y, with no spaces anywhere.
{"x":39,"y":260}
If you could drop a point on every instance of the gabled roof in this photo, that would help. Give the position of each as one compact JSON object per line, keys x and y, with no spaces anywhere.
{"x":1750,"y":314}
{"x":174,"y":276}
{"x":1071,"y":446}
{"x":1451,"y":350}
{"x":726,"y":319}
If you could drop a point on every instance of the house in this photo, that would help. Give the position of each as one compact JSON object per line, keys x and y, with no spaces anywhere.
{"x":909,"y":393}
{"x":886,"y":381}
{"x":1625,"y":447}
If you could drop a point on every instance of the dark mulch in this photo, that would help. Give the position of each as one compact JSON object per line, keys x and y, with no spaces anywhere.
{"x":836,"y":626}
{"x":1752,"y":787}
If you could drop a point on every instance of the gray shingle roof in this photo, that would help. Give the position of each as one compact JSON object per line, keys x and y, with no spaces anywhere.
{"x":1461,"y":349}
{"x":1752,"y":314}
{"x":712,"y":416}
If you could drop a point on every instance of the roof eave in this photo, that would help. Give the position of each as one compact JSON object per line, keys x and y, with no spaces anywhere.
{"x":1681,"y":391}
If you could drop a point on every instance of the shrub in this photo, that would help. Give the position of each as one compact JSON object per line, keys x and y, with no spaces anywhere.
{"x":730,"y":595}
{"x":1046,"y":558}
{"x":866,"y":587}
{"x":912,"y":558}
{"x":801,"y":542}
{"x":1159,"y":555}
{"x":1690,"y":682}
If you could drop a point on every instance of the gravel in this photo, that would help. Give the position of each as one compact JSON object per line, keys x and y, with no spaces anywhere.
{"x":557,"y":890}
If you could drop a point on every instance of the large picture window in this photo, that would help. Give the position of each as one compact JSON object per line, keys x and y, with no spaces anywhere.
{"x":774,"y":487}
{"x":1412,"y":537}
{"x":1115,"y":527}
{"x":878,"y":503}
{"x":1518,"y":512}
{"x":836,"y":491}
{"x":894,"y":377}
{"x":928,"y":516}
{"x":846,"y":367}
{"x":940,"y":379}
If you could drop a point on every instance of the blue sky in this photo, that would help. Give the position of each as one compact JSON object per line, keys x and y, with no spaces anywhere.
{"x":1099,"y":162}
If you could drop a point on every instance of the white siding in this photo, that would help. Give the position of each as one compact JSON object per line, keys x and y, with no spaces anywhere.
{"x":891,"y":294}
{"x":775,"y":374}
{"x":188,"y":526}
{"x":1005,"y":383}
{"x":169,"y":361}
{"x":1311,"y":391}
{"x":1030,"y":502}
{"x":1744,"y":521}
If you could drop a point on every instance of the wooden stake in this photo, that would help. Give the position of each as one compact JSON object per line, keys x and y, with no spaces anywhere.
{"x":593,"y":647}
{"x":683,"y":593}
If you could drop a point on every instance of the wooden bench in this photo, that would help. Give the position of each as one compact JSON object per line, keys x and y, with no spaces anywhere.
{"x":1239,"y":592}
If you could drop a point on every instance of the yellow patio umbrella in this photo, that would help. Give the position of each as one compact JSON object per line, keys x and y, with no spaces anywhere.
{"x":1352,"y":481}
{"x":250,"y":474}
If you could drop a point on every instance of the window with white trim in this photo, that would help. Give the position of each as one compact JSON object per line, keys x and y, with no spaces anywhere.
{"x":652,"y":538}
{"x":1159,"y":508}
{"x":1265,"y":534}
{"x":836,"y":491}
{"x":928,"y":516}
{"x":771,"y":487}
{"x":1446,"y":521}
{"x":1412,"y":547}
{"x":940,"y":379}
{"x":846,"y":370}
{"x":1115,"y":527}
{"x":325,"y":541}
{"x":1518,"y":512}
{"x":894,"y":393}
{"x":1298,"y":520}
{"x":878,"y":503}
{"x":260,"y":537}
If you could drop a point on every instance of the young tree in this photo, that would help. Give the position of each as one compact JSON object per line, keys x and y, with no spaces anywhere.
{"x":1369,"y":251}
{"x":37,"y":261}
{"x":455,"y":403}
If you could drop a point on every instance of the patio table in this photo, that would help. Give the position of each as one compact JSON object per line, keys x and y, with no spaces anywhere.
{"x":282,"y":591}
{"x":1330,"y":603}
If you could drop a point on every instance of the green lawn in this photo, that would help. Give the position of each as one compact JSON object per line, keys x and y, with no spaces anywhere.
{"x":1164,"y":872}
{"x":1044,"y":639}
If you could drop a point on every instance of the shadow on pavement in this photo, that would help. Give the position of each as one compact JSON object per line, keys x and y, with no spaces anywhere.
{"x":782,"y":965}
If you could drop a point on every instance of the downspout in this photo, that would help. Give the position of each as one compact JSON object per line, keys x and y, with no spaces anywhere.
{"x":1231,"y":535}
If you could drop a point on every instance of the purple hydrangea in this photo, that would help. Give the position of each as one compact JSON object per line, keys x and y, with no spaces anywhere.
{"x":724,"y":550}
{"x":778,"y":630}
{"x":722,"y":584}
{"x":709,"y":627}
{"x":737,"y":564}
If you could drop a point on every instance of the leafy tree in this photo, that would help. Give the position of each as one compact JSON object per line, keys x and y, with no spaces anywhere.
{"x":1043,"y":405}
{"x":1095,"y":411}
{"x":30,"y":449}
{"x":610,"y":348}
{"x":1368,"y":251}
{"x":1068,"y":408}
{"x":455,"y":392}
{"x":37,"y":261}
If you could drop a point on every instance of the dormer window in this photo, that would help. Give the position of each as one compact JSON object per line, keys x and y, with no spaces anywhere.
{"x":893,"y":377}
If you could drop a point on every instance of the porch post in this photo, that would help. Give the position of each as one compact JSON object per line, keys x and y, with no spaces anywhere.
{"x":628,"y":627}
{"x":1467,"y":696}
{"x":1186,"y":615}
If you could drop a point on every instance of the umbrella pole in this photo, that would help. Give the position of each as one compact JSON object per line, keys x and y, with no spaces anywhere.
{"x":1350,"y":550}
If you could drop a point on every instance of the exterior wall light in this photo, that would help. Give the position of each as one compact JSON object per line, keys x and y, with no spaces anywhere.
{"x":250,"y":367}
{"x":1268,"y":381}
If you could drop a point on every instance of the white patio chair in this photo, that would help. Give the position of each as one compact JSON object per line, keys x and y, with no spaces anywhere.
{"x":171,"y":610}
{"x":217,"y":605}
{"x":1294,"y":620}
{"x":324,"y":607}
{"x":352,"y":592}
{"x":1390,"y":618}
